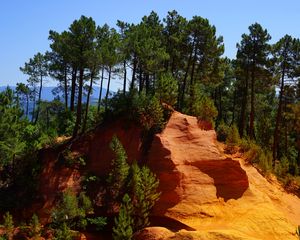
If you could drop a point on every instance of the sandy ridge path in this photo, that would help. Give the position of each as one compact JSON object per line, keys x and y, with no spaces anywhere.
{"x":209,"y":191}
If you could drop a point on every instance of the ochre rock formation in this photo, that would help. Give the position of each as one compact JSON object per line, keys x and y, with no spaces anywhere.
{"x":213,"y":193}
{"x":205,"y":194}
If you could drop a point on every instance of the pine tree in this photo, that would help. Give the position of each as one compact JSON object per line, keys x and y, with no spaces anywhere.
{"x":63,"y":232}
{"x":285,"y":58}
{"x":120,"y":169}
{"x":167,"y":89}
{"x":253,"y":54}
{"x":123,"y":223}
{"x":82,"y":34}
{"x":8,"y":226}
{"x":37,"y":69}
{"x":35,"y":227}
{"x":144,"y":186}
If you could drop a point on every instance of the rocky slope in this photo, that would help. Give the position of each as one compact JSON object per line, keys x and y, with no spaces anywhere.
{"x":216,"y":195}
{"x":206,"y":194}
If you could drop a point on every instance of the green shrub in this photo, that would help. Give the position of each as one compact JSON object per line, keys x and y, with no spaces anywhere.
{"x":67,"y":210}
{"x":149,"y":111}
{"x":167,"y":88}
{"x":282,"y":168}
{"x":63,"y":232}
{"x":85,"y":204}
{"x":233,"y":137}
{"x":124,"y":222}
{"x":8,"y":226}
{"x":139,"y":107}
{"x":72,"y":210}
{"x":251,"y":149}
{"x":99,"y":222}
{"x":265,"y":159}
{"x":200,"y":105}
{"x":119,"y":170}
{"x":88,"y":180}
{"x":144,"y":185}
{"x":35,"y":228}
{"x":222,"y":131}
{"x":66,"y":122}
{"x":73,"y":161}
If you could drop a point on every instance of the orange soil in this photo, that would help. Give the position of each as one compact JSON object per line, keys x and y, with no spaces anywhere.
{"x":212,"y":192}
{"x":206,"y":194}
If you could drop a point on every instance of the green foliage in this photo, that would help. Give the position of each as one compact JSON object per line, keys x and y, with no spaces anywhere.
{"x":265,"y":161}
{"x":99,"y":222}
{"x":233,"y":137}
{"x":282,"y":168}
{"x":12,"y":144}
{"x":200,"y":105}
{"x":167,"y":89}
{"x":73,"y":161}
{"x":35,"y":228}
{"x":72,"y":210}
{"x":85,"y":204}
{"x":63,"y":232}
{"x":141,"y":183}
{"x":34,"y":137}
{"x":222,"y":131}
{"x":150,"y":112}
{"x":67,"y":209}
{"x":144,"y":185}
{"x":124,"y":222}
{"x":141,"y":108}
{"x":251,"y":149}
{"x":8,"y":226}
{"x":88,"y":180}
{"x":65,"y":123}
{"x":119,"y":169}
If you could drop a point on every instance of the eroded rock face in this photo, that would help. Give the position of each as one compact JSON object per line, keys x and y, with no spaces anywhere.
{"x":205,"y":194}
{"x":191,"y":168}
{"x":215,"y":195}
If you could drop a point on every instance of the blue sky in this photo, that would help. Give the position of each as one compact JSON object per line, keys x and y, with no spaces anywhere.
{"x":24,"y":25}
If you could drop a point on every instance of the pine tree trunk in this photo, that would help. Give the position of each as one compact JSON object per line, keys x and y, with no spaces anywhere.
{"x":233,"y":108}
{"x":27,"y":104}
{"x":141,"y":81}
{"x":244,"y":105}
{"x":252,"y":109}
{"x":101,"y":87}
{"x":278,"y":118}
{"x":193,"y":68}
{"x":73,"y":89}
{"x":107,"y":90}
{"x":125,"y":76}
{"x":79,"y":104}
{"x":180,"y":103}
{"x":39,"y":100}
{"x":220,"y":103}
{"x":33,"y":107}
{"x":147,"y":80}
{"x":66,"y":88}
{"x":133,"y":74}
{"x":88,"y":102}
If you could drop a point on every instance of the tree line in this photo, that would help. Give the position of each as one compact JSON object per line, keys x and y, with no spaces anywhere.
{"x":181,"y":62}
